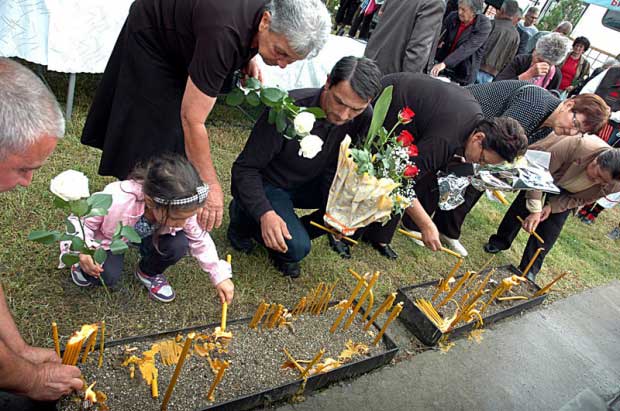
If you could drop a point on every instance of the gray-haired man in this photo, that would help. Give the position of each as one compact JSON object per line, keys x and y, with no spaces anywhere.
{"x":30,"y":125}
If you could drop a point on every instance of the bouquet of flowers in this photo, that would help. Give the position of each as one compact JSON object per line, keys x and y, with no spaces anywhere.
{"x":73,"y":196}
{"x":374,"y":180}
{"x":294,"y":122}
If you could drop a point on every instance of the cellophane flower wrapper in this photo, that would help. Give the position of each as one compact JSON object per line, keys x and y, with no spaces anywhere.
{"x":451,"y":190}
{"x":355,"y":200}
{"x":526,"y":173}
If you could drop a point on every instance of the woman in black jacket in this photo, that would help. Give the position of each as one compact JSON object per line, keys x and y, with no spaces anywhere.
{"x":462,"y":44}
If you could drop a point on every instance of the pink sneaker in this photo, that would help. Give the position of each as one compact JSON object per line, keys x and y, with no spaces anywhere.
{"x":158,"y":286}
{"x":78,"y":276}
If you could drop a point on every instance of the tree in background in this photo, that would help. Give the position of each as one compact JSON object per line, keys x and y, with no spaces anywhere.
{"x":561,"y":10}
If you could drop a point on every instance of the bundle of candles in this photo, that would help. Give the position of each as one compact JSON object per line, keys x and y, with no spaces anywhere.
{"x":470,"y":307}
{"x":277,"y":315}
{"x":316,"y":301}
{"x":345,"y":306}
{"x":85,"y":338}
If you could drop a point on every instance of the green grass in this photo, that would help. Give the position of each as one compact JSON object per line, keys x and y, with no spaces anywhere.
{"x":38,"y":293}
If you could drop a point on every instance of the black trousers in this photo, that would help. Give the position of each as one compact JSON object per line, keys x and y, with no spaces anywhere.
{"x":361,"y":22}
{"x":155,"y":260}
{"x":508,"y":229}
{"x":11,"y":402}
{"x":428,"y":196}
{"x":450,"y":222}
{"x":346,"y":10}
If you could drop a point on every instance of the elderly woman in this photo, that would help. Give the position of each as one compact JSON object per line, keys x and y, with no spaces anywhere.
{"x":576,"y":67}
{"x":586,"y":113}
{"x":585,"y":168}
{"x":169,"y":64}
{"x":462,"y":45}
{"x":539,"y":68}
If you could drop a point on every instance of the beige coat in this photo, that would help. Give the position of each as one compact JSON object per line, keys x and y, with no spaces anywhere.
{"x":570,"y":155}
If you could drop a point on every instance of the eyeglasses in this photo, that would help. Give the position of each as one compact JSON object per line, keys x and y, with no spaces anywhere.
{"x":576,"y":124}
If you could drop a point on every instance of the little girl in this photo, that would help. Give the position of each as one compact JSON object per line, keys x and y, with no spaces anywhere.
{"x":160,"y":201}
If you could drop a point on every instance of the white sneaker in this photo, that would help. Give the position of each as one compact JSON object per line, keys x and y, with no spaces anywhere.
{"x":614,"y":234}
{"x":453,"y":244}
{"x":419,"y":234}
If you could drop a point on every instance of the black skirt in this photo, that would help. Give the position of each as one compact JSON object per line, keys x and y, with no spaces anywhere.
{"x":136,"y":110}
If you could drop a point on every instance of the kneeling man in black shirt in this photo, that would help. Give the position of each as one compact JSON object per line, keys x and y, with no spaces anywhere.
{"x":272,"y":176}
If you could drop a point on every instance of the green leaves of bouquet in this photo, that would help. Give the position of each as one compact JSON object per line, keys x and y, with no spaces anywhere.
{"x":292,"y":121}
{"x":73,"y":197}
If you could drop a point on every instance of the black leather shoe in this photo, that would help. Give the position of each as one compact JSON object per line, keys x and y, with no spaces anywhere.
{"x":239,"y":243}
{"x":292,"y":270}
{"x":385,"y":250}
{"x":339,"y":247}
{"x":491,"y":249}
{"x":532,"y":277}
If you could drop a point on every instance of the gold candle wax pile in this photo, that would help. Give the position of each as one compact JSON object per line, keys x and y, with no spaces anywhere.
{"x":75,"y":344}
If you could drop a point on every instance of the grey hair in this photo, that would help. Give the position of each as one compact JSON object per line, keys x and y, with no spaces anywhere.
{"x":476,"y":5}
{"x":28,"y":110}
{"x":553,"y":47}
{"x":306,"y":24}
{"x":610,"y":160}
{"x":510,"y":8}
{"x":565,"y":27}
{"x":532,"y":10}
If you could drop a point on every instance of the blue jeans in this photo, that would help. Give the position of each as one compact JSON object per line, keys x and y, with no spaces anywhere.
{"x":483,"y":77}
{"x":284,"y":203}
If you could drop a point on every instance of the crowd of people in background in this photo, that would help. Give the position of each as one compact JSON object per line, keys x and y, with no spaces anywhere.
{"x":459,"y":40}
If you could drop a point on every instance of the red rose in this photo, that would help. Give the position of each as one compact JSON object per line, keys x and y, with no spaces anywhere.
{"x":406,"y":115}
{"x":413,"y":150}
{"x":411,"y":171}
{"x":405,"y":138}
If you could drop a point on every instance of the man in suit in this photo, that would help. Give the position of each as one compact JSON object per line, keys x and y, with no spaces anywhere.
{"x":406,"y":36}
{"x":502,"y":44}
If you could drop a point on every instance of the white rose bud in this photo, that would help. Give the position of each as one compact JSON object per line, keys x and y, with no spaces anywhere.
{"x":70,"y":185}
{"x":310,"y":146}
{"x":304,"y":122}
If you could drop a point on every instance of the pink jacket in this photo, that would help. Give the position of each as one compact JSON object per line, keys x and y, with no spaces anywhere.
{"x":128,"y":206}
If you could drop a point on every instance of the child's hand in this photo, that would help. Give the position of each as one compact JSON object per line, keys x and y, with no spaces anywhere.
{"x":226,"y":290}
{"x":89,"y":266}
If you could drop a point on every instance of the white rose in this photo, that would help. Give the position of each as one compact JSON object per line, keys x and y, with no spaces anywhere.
{"x":310,"y":146}
{"x":304,"y":122}
{"x":70,"y":185}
